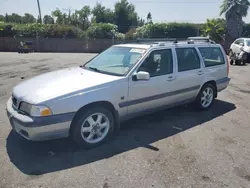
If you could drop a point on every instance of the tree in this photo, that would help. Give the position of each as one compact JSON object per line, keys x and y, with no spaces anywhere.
{"x":83,"y":17}
{"x":28,"y":18}
{"x":79,"y":18}
{"x":215,"y":29}
{"x":101,"y":14}
{"x":149,"y":18}
{"x":65,"y":19}
{"x":234,"y":11}
{"x":109,"y":16}
{"x":14,"y":18}
{"x":125,"y":16}
{"x":2,"y":18}
{"x":141,"y":22}
{"x":47,"y":19}
{"x":6,"y":17}
{"x":58,"y":15}
{"x":39,"y":20}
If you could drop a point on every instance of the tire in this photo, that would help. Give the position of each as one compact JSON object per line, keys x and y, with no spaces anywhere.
{"x":199,"y":102}
{"x":230,"y":53}
{"x":237,"y":62}
{"x":231,"y":62}
{"x":91,"y":136}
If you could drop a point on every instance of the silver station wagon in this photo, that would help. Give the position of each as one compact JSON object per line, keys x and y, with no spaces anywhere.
{"x":88,"y":102}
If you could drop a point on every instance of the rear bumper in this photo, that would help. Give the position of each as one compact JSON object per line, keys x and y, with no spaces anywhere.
{"x":40,"y":128}
{"x":222,"y":84}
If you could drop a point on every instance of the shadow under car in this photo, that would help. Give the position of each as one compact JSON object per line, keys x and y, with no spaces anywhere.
{"x":37,"y":158}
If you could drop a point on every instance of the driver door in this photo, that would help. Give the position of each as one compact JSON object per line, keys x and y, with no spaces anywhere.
{"x":155,"y":92}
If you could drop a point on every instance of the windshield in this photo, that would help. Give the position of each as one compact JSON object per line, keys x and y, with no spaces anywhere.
{"x":115,"y":60}
{"x":248,"y":42}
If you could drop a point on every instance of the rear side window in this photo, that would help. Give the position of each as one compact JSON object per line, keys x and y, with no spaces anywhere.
{"x":212,"y":56}
{"x":188,"y":59}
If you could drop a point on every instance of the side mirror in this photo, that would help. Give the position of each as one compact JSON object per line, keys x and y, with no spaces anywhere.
{"x":241,"y":44}
{"x":141,"y":76}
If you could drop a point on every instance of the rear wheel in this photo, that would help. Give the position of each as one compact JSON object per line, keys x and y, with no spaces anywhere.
{"x":206,"y":97}
{"x":94,"y":127}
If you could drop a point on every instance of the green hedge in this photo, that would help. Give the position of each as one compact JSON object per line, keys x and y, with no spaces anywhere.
{"x":104,"y":30}
{"x":167,"y":30}
{"x":43,"y":30}
{"x":6,"y":30}
{"x":96,"y":30}
{"x":100,"y":30}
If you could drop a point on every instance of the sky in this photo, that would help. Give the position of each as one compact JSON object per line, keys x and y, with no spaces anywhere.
{"x":196,"y":11}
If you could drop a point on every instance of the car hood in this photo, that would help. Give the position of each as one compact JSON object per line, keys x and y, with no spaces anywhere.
{"x":58,"y":83}
{"x":246,"y":49}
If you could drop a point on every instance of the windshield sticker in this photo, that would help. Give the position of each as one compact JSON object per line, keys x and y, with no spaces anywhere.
{"x":137,"y":50}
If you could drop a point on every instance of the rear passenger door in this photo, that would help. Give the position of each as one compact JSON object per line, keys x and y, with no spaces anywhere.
{"x":190,"y":75}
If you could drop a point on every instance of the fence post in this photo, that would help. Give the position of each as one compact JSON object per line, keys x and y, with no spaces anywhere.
{"x":37,"y":42}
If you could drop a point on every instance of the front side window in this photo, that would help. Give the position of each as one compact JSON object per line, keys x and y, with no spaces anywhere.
{"x":188,"y":59}
{"x":115,"y":60}
{"x":159,"y":62}
{"x":239,"y":41}
{"x":212,"y":56}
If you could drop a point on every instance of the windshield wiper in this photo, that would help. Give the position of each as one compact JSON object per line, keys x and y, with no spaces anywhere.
{"x":94,"y":69}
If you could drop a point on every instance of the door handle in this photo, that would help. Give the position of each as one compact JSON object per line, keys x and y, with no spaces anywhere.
{"x":171,"y":78}
{"x":200,"y":73}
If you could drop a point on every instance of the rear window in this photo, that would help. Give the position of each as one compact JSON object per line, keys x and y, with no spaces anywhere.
{"x":212,"y":56}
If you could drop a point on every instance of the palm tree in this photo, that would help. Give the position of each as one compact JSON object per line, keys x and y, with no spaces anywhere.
{"x":215,"y":29}
{"x":234,"y":11}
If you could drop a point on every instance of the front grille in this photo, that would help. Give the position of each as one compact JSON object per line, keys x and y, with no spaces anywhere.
{"x":14,"y":101}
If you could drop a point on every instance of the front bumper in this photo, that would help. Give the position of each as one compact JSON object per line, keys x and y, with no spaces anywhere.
{"x":39,"y":128}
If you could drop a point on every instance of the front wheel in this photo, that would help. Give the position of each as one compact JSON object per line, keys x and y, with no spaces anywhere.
{"x":94,"y":127}
{"x":206,"y":97}
{"x":238,"y":62}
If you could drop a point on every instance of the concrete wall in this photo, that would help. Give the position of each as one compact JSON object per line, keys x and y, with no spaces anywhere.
{"x":8,"y":44}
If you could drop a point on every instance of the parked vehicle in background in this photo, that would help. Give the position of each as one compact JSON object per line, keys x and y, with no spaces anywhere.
{"x":25,"y":47}
{"x":88,"y":102}
{"x":239,"y":52}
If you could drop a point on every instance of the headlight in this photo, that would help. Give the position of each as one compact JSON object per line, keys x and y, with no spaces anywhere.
{"x":36,"y":111}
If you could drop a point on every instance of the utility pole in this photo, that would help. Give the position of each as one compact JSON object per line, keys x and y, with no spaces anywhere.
{"x":39,"y":9}
{"x":41,"y":21}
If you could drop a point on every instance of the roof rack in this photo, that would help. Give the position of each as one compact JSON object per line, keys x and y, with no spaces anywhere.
{"x":158,"y":40}
{"x":201,"y":39}
{"x":163,"y":41}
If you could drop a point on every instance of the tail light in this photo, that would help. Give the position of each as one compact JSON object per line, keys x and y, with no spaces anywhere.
{"x":228,"y":65}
